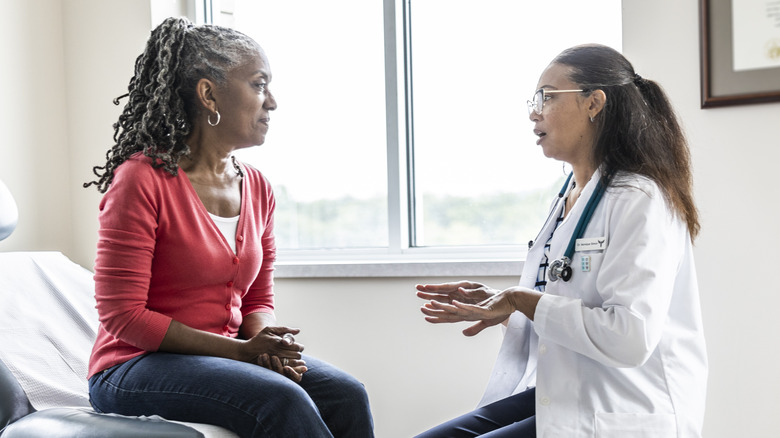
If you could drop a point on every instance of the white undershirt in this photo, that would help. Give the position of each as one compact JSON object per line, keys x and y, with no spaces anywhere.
{"x":228,"y":227}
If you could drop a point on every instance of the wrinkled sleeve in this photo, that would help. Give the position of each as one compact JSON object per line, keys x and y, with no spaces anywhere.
{"x":126,"y":243}
{"x":260,"y":296}
{"x":635,"y":282}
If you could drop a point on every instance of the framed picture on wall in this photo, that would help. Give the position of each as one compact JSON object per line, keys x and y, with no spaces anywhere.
{"x":740,"y":52}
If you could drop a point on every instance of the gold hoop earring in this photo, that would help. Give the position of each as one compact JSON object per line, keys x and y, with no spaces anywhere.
{"x":219,"y":117}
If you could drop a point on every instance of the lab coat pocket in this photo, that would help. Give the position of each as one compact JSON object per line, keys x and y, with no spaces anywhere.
{"x":614,"y":425}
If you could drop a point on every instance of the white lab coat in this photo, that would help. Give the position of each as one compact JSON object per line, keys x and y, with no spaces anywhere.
{"x":617,"y":351}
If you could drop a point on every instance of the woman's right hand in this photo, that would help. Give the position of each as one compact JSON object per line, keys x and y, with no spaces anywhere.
{"x":463,"y":291}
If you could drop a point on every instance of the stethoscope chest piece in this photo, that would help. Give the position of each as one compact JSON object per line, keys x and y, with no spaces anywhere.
{"x":560,"y":268}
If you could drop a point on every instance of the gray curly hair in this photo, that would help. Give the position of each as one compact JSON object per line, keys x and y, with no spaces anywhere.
{"x":161,"y":105}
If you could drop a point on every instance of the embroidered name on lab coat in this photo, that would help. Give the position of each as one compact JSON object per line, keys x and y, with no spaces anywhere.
{"x":590,"y":244}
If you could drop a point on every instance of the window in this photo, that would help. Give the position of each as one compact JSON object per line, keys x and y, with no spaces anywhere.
{"x":325,"y":153}
{"x":401,"y":126}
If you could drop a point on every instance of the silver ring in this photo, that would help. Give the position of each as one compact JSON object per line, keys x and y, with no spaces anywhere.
{"x":289,"y":338}
{"x":285,"y":361}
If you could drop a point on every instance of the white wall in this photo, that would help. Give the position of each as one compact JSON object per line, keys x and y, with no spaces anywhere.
{"x":33,"y":133}
{"x":101,"y":40}
{"x":417,"y":375}
{"x":69,"y":58}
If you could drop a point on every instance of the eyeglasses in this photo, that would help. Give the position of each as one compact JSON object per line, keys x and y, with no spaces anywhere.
{"x":536,"y":104}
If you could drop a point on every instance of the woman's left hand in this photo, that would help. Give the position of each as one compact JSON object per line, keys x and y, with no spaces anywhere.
{"x":291,"y":368}
{"x":488,"y":312}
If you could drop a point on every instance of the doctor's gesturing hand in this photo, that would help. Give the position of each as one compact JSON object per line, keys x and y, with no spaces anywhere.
{"x":458,"y":302}
{"x":463,"y":291}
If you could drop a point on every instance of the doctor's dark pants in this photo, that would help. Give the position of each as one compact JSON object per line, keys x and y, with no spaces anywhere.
{"x":514,"y":417}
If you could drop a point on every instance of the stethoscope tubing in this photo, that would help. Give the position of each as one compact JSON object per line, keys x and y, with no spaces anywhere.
{"x":561,"y":268}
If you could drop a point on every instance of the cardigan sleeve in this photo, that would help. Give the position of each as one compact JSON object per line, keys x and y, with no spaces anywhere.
{"x":126,"y":243}
{"x":260,"y":296}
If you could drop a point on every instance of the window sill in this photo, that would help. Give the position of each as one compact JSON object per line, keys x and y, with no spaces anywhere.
{"x":399,"y":266}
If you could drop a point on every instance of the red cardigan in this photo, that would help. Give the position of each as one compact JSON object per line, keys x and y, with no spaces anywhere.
{"x":160,"y":257}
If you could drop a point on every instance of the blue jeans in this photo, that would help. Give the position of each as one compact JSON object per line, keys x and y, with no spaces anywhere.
{"x":248,"y":399}
{"x":511,"y":417}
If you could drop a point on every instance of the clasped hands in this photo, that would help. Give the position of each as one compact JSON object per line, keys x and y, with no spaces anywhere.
{"x":278,"y":351}
{"x":469,"y":301}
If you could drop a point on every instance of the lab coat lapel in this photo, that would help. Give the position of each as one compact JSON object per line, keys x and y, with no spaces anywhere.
{"x":565,"y":231}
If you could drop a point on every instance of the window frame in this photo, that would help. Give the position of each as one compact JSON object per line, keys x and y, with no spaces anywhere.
{"x":401,"y":258}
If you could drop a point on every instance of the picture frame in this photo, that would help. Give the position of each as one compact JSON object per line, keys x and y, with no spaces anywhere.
{"x":721,"y":84}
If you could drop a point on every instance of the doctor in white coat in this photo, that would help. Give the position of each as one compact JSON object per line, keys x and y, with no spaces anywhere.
{"x":607,"y":342}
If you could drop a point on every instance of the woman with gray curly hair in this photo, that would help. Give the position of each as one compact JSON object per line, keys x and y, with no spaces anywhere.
{"x":183,"y":274}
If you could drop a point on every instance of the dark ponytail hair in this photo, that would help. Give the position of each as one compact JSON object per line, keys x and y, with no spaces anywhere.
{"x":162,"y":107}
{"x":638,"y":128}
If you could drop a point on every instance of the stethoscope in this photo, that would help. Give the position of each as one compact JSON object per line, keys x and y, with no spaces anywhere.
{"x":561,"y":268}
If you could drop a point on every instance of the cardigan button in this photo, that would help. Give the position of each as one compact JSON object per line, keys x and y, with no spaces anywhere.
{"x":240,"y":238}
{"x":229,"y":284}
{"x":235,"y":260}
{"x":227,"y":306}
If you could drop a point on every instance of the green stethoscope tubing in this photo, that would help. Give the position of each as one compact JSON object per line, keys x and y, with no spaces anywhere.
{"x":561,"y":265}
